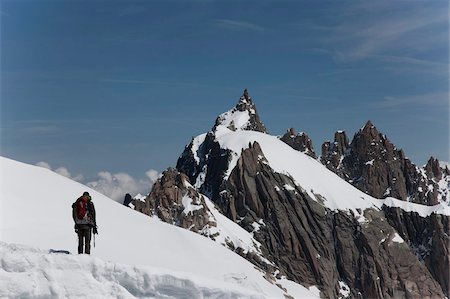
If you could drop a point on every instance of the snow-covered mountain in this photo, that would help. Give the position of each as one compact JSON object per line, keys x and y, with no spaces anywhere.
{"x":134,"y":256}
{"x":312,"y":226}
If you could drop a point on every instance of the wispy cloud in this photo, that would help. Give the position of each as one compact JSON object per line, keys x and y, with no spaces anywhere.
{"x":43,"y":129}
{"x":414,"y":61}
{"x":168,"y":83}
{"x":439,"y":99}
{"x":149,"y":82}
{"x":390,"y":29}
{"x":241,"y":26}
{"x":395,"y":64}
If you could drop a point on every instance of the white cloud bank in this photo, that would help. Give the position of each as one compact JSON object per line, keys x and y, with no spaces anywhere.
{"x":115,"y":186}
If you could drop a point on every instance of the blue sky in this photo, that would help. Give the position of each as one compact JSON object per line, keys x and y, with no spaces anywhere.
{"x":122,"y":86}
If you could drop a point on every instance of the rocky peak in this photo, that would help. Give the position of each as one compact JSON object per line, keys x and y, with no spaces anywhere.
{"x":299,"y":141}
{"x":371,"y":144}
{"x":174,"y":200}
{"x":243,"y":116}
{"x":433,"y":169}
{"x":333,"y":153}
{"x":369,"y":127}
{"x":340,"y":142}
{"x":374,"y":165}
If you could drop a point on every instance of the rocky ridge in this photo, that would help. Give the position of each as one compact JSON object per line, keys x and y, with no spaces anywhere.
{"x":299,"y":141}
{"x":373,"y":164}
{"x":175,"y":201}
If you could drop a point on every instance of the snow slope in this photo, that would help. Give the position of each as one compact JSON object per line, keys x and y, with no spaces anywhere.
{"x":35,"y":206}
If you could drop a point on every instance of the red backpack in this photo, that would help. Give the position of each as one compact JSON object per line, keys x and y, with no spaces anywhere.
{"x":81,"y":208}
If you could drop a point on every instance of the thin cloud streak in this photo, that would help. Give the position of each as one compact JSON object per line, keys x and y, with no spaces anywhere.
{"x":414,"y":61}
{"x":439,"y":99}
{"x":241,"y":26}
{"x":168,"y":83}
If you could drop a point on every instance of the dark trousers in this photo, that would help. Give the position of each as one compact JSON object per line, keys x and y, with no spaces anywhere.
{"x":84,"y":239}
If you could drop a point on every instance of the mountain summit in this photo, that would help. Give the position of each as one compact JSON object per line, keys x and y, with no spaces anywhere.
{"x":242,"y":117}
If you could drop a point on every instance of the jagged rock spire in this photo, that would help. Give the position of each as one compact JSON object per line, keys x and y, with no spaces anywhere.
{"x":235,"y":120}
{"x":300,"y":142}
{"x":433,"y":169}
{"x":373,"y":164}
{"x":369,"y":124}
{"x":245,"y":95}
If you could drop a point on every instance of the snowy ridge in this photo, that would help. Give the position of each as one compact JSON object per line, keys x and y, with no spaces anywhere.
{"x":39,"y":215}
{"x":309,"y":174}
{"x":422,"y":210}
{"x":196,"y":144}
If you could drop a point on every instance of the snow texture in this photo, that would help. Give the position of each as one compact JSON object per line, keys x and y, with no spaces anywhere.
{"x":28,"y":272}
{"x":196,"y":144}
{"x":189,"y":205}
{"x":344,"y":290}
{"x":238,"y":120}
{"x":397,"y":238}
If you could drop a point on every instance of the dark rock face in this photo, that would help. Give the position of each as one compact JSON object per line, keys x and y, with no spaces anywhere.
{"x":374,"y":165}
{"x":429,"y":239}
{"x":175,"y":201}
{"x":315,"y":246}
{"x":333,"y":153}
{"x":212,"y":164}
{"x":433,"y":169}
{"x":300,"y":142}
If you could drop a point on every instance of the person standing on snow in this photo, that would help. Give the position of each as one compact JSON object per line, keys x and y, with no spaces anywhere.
{"x":83,"y":213}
